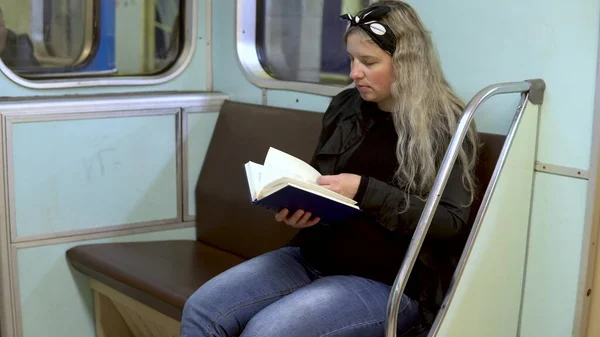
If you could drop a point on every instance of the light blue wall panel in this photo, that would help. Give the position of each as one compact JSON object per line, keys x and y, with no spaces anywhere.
{"x":56,"y":300}
{"x":297,"y":100}
{"x":495,"y":115}
{"x":82,"y":174}
{"x":554,"y":253}
{"x":227,"y":72}
{"x":200,"y":130}
{"x":192,"y":79}
{"x":483,"y":42}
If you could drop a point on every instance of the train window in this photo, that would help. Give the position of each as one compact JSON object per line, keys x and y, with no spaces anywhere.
{"x":302,"y":40}
{"x":67,"y":38}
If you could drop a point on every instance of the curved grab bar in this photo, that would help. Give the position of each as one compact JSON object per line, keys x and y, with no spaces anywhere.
{"x":536,"y":89}
{"x":476,"y":226}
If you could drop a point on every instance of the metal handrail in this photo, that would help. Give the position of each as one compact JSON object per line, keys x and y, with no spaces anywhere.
{"x":535,"y":89}
{"x":476,"y":226}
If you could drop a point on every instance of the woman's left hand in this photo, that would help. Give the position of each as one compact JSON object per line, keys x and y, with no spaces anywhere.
{"x":345,"y":184}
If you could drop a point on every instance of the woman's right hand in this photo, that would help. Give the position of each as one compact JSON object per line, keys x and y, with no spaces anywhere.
{"x":299,"y":219}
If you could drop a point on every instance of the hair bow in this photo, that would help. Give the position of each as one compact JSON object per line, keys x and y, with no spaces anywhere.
{"x":368,"y":21}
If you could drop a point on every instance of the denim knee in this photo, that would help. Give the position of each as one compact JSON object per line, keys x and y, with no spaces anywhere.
{"x":195,"y":320}
{"x":223,"y":305}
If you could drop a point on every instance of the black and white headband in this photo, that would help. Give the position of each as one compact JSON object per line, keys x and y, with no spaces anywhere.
{"x":368,"y":21}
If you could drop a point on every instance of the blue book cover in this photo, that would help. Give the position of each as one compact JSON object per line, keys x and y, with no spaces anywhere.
{"x":287,"y":182}
{"x":294,"y":197}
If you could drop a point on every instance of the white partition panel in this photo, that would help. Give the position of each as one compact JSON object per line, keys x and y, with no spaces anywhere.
{"x":487,"y":300}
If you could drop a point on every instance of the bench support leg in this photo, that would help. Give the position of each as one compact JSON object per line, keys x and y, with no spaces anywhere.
{"x":109,"y":322}
{"x":118,"y":315}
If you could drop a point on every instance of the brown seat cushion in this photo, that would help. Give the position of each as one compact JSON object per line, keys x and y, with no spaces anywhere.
{"x":244,"y":132}
{"x":160,"y":274}
{"x":491,"y":146}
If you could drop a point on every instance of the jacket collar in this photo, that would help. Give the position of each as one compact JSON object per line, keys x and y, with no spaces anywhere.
{"x":351,"y":128}
{"x":355,"y":115}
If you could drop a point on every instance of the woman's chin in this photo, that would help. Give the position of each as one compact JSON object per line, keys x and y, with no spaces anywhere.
{"x":367,"y":96}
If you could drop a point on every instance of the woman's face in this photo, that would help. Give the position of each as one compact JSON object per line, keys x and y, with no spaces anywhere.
{"x":371,"y":70}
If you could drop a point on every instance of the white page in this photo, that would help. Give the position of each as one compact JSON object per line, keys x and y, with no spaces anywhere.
{"x":272,"y":173}
{"x":253,"y":174}
{"x":291,"y":164}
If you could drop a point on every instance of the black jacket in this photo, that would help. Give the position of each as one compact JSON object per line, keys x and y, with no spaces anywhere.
{"x":382,"y":223}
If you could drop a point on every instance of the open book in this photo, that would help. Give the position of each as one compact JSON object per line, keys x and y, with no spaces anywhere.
{"x":284,"y":181}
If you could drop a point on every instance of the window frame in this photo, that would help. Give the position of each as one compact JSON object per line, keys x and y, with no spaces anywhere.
{"x":190,"y":22}
{"x":91,"y":32}
{"x":248,"y":56}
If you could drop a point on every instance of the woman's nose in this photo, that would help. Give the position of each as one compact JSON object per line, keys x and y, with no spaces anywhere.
{"x":356,"y":72}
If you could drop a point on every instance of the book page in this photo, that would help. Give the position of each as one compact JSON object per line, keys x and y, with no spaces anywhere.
{"x":253,"y":174}
{"x":272,"y":173}
{"x":296,"y":167}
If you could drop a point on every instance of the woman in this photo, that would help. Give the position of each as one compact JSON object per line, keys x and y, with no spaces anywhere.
{"x":381,"y":144}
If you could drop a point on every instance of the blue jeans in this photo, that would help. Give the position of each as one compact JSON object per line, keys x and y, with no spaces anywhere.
{"x":279,"y":294}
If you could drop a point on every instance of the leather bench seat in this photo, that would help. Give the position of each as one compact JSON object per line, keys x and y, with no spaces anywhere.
{"x":159,"y":274}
